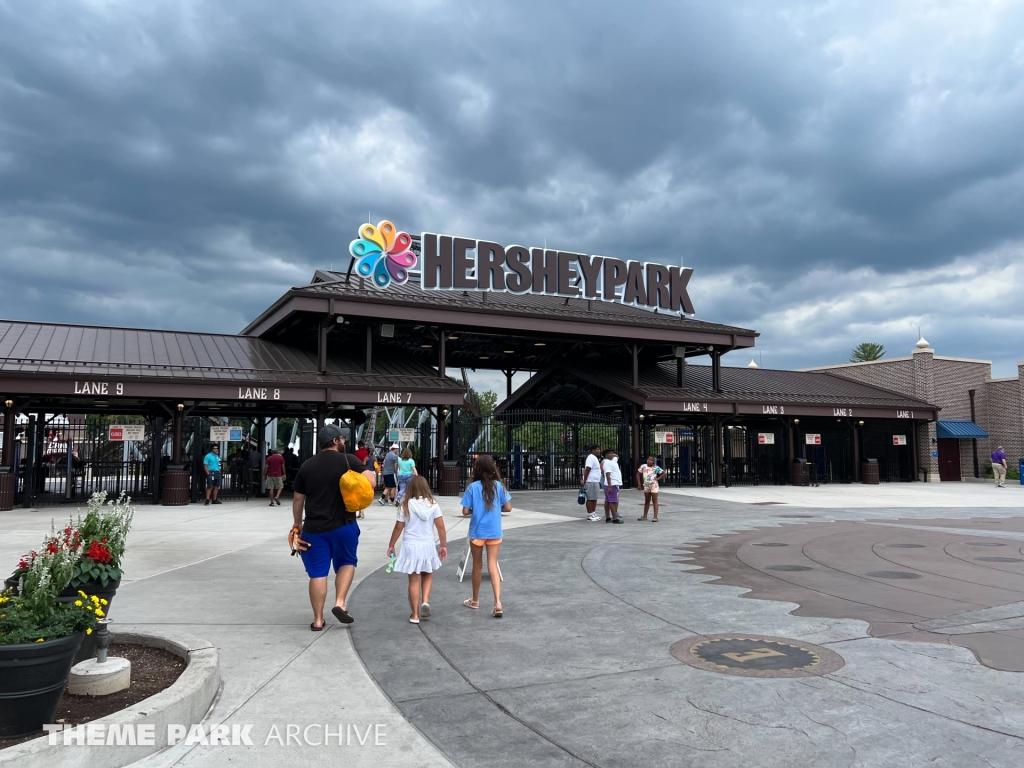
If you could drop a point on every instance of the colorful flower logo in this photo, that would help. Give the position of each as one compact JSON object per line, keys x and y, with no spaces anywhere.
{"x":382,"y":252}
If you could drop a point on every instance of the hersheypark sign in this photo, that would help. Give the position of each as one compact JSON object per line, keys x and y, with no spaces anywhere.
{"x":384,"y":254}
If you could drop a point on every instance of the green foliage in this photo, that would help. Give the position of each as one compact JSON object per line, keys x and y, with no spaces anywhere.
{"x":104,"y":533}
{"x":866,"y":352}
{"x":488,"y":402}
{"x":21,"y":622}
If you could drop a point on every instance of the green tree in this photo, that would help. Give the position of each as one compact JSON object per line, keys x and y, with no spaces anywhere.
{"x":488,"y":401}
{"x":866,"y":352}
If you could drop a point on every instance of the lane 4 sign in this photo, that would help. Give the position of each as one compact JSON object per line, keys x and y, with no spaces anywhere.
{"x":812,"y":438}
{"x":899,"y":439}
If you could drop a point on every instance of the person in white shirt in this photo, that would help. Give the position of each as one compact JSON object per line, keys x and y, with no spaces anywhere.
{"x":591,"y":481}
{"x":612,"y":482}
{"x":418,"y":517}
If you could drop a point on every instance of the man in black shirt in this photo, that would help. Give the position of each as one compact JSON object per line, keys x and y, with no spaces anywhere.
{"x":330,"y":530}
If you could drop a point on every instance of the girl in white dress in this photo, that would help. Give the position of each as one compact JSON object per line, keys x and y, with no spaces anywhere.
{"x":418,"y":516}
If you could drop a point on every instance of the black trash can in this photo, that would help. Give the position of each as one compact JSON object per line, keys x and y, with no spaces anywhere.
{"x":869,"y":472}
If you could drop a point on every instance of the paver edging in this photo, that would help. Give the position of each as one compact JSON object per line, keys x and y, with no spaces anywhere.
{"x":186,"y":701}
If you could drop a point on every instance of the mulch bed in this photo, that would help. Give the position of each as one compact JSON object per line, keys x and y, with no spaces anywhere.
{"x":153,"y":670}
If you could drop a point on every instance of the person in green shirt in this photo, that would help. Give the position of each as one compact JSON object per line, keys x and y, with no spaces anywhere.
{"x":406,"y":472}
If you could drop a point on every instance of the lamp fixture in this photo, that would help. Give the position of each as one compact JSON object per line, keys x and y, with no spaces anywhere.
{"x":339,"y":319}
{"x":9,"y":403}
{"x":181,"y":407}
{"x":444,"y":411}
{"x":426,"y":346}
{"x":453,"y":338}
{"x":641,"y":417}
{"x":860,"y":423}
{"x":539,"y":344}
{"x":796,"y":421}
{"x":484,"y":357}
{"x":509,"y":351}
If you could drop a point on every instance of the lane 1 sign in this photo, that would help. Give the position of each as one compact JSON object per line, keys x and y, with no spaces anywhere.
{"x":664,"y":437}
{"x":225,"y":434}
{"x":766,"y":438}
{"x":122,"y":432}
{"x":899,"y":439}
{"x":812,"y":438}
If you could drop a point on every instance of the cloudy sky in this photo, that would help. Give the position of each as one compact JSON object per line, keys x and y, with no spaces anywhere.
{"x":835,"y":172}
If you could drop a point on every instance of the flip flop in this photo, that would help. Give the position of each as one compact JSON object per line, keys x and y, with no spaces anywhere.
{"x":469,"y":603}
{"x":341,"y":615}
{"x":314,"y":628}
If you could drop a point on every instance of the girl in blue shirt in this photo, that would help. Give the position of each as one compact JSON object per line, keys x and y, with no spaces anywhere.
{"x":485,"y":499}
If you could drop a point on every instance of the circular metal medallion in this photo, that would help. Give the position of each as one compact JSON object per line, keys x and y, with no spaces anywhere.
{"x":756,"y":656}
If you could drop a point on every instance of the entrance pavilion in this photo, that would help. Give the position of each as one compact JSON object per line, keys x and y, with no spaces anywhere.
{"x":603,"y":372}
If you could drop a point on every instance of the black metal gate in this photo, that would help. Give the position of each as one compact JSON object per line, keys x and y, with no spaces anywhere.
{"x":66,"y":461}
{"x":688,"y":460}
{"x":879,"y":441}
{"x":239,"y":460}
{"x":831,"y":460}
{"x":756,"y":455}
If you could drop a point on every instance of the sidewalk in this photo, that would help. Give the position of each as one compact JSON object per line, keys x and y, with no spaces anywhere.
{"x":223,"y":573}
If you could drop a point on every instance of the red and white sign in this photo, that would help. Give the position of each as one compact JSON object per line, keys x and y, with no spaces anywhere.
{"x":664,"y":437}
{"x":812,"y":438}
{"x":766,"y":438}
{"x":124,"y":432}
{"x":899,"y":439}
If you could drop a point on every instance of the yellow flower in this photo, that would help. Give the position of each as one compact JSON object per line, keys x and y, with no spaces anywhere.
{"x":82,"y":593}
{"x":95,"y":600}
{"x":99,"y":613}
{"x":39,"y":640}
{"x":78,"y":603}
{"x":104,"y":601}
{"x":88,"y":630}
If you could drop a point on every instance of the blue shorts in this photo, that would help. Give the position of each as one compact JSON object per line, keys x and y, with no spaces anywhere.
{"x":213,"y":480}
{"x":337,"y":547}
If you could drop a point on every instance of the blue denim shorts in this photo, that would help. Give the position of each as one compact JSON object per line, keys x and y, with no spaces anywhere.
{"x":337,"y":547}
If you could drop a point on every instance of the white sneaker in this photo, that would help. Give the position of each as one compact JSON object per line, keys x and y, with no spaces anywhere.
{"x":593,"y":518}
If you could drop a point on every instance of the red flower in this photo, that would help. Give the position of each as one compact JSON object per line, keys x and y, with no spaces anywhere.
{"x":51,"y":548}
{"x":99,"y":553}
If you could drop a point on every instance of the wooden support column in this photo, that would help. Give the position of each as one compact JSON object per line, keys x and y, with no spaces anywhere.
{"x":441,"y":359}
{"x":176,"y":437}
{"x":321,"y":345}
{"x":716,"y":371}
{"x":508,"y":383}
{"x":856,"y":452}
{"x":369,"y":348}
{"x":789,"y":452}
{"x":635,"y":452}
{"x":913,"y":450}
{"x":8,"y":446}
{"x":680,"y":371}
{"x":636,"y":366}
{"x":717,"y":448}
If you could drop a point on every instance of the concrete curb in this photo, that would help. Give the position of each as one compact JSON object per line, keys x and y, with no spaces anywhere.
{"x":186,"y":702}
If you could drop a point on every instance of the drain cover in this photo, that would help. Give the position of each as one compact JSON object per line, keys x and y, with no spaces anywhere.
{"x":1000,"y":559}
{"x":906,"y":546}
{"x":770,"y":544}
{"x":794,"y":516}
{"x":894,"y":575}
{"x":756,"y":656}
{"x":984,"y":544}
{"x":788,"y":568}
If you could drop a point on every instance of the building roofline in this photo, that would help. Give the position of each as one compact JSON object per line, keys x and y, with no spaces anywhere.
{"x":819,"y":368}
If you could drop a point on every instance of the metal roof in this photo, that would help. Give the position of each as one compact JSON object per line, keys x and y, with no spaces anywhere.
{"x":959,"y":428}
{"x":524,"y":305}
{"x":751,"y":385}
{"x":50,"y":348}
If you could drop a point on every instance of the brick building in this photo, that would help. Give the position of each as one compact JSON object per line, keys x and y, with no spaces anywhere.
{"x":967,"y":394}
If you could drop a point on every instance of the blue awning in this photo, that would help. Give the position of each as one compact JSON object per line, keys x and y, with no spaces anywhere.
{"x":958,"y":428}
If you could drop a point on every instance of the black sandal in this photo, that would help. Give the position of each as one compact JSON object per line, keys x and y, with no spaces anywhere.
{"x":314,"y":628}
{"x":341,"y":615}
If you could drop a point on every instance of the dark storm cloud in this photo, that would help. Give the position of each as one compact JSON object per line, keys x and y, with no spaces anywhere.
{"x":180,"y":164}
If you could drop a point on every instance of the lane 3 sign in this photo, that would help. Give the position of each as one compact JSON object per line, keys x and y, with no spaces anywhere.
{"x":458,"y":263}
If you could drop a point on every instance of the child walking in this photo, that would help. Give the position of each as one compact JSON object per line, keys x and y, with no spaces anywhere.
{"x":485,"y":499}
{"x":418,"y":516}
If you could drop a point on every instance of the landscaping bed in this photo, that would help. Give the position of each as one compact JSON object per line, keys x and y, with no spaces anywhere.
{"x":153,"y":670}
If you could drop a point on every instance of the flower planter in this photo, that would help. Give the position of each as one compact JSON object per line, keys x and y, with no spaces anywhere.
{"x":70,"y":594}
{"x":32,"y":679}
